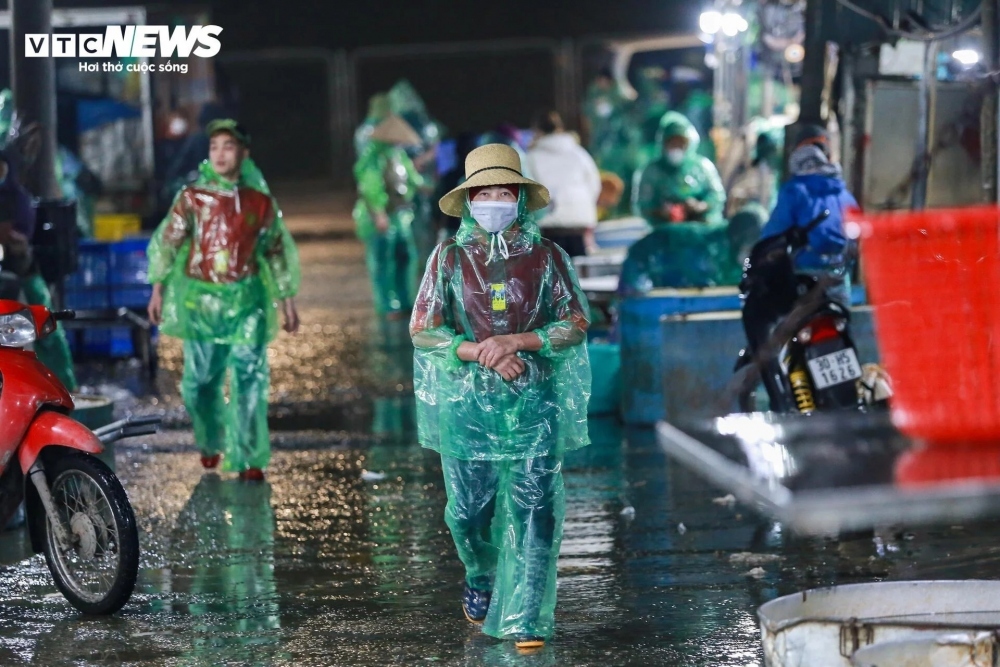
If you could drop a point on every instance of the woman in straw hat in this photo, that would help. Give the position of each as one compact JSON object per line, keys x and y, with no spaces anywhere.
{"x":502,"y":383}
{"x":387,"y":185}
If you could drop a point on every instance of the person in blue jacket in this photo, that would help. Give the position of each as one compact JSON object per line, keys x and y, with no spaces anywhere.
{"x":816,"y":185}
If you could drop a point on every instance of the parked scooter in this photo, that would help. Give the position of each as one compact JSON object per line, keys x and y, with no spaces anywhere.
{"x":77,"y":511}
{"x":815,"y":364}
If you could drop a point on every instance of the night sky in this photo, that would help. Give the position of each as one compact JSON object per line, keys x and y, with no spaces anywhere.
{"x":339,"y":24}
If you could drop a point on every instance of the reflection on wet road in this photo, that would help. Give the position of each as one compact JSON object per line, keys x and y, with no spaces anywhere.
{"x":343,"y":558}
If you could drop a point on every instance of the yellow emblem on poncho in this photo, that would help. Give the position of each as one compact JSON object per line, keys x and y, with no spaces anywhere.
{"x":499,"y":293}
{"x":220,"y":265}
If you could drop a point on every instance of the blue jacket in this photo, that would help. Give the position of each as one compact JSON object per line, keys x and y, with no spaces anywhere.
{"x":800,"y":201}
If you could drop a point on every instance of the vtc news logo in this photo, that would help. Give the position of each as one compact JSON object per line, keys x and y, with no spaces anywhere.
{"x":142,"y":41}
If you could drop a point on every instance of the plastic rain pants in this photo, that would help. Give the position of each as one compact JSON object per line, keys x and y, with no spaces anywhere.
{"x":392,"y":264}
{"x":506,"y":518}
{"x":238,"y":430}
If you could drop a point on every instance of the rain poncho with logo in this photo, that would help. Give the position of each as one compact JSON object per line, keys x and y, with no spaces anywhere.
{"x":225,"y":257}
{"x":388,"y":183}
{"x":502,"y":443}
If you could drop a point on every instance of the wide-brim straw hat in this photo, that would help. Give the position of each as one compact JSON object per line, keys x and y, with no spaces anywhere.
{"x":493,"y":164}
{"x":395,"y":130}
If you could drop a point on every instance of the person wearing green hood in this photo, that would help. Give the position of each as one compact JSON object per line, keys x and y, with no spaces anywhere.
{"x":384,"y":215}
{"x":682,"y":197}
{"x":220,"y":263}
{"x":502,"y":382}
{"x":679,"y":185}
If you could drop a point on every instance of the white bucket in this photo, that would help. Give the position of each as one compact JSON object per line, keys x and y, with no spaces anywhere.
{"x":965,"y":649}
{"x":826,"y":627}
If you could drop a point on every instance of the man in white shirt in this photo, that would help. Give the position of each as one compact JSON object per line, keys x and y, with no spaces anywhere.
{"x":558,"y":162}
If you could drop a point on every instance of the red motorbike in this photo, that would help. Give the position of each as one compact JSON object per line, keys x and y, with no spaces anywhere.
{"x":76,"y":509}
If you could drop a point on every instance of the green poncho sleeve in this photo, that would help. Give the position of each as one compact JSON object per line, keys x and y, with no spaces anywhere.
{"x":570,"y":309}
{"x":713,"y":192}
{"x":278,"y":252}
{"x":432,"y":335}
{"x":169,"y":238}
{"x":281,"y":258}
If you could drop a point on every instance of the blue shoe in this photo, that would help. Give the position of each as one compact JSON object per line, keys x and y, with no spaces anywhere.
{"x":475,"y":604}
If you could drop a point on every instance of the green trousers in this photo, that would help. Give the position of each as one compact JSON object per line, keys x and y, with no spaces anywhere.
{"x":53,"y":350}
{"x":506,"y":519}
{"x":237,"y":429}
{"x":394,"y":269}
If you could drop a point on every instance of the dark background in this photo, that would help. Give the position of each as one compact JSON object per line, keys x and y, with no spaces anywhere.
{"x":338,"y":24}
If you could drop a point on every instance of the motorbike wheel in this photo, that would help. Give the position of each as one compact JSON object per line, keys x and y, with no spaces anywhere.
{"x":98,"y":573}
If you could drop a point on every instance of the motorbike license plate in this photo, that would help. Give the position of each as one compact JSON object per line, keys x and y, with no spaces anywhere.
{"x":836,"y":368}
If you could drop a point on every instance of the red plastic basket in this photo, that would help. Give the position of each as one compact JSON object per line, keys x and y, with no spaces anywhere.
{"x":934,"y":278}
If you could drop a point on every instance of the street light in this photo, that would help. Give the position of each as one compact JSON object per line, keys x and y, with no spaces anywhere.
{"x":730,"y":24}
{"x":733,"y":24}
{"x":966,"y":57}
{"x":710,"y":22}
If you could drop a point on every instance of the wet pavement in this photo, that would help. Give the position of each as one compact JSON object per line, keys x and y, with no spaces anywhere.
{"x":342,"y":556}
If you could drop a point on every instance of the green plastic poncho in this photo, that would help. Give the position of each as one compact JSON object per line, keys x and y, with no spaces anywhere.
{"x":405,"y":101}
{"x":378,"y":109}
{"x":225,"y":257}
{"x":388,"y":183}
{"x":222,"y":307}
{"x":683,"y":254}
{"x":502,"y":443}
{"x":664,"y":183}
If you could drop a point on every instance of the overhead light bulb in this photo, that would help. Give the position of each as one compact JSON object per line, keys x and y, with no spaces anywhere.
{"x":710,"y":22}
{"x":733,"y":24}
{"x":967,"y":57}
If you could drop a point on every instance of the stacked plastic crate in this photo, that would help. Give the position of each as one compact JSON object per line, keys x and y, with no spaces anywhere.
{"x":111,"y":275}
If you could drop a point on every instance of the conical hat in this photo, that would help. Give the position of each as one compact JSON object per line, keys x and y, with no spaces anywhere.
{"x":493,"y":164}
{"x":395,"y":130}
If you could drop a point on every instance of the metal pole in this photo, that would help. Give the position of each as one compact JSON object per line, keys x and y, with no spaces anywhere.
{"x":34,"y":83}
{"x":848,"y":131}
{"x":988,"y":121}
{"x":814,"y":66}
{"x":921,"y":158}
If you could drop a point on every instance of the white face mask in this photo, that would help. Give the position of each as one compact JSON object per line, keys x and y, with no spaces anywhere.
{"x":675,"y":156}
{"x":494,"y":216}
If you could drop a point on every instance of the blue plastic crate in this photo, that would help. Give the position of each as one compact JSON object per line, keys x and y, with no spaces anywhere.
{"x":131,"y":296}
{"x":88,"y":299}
{"x":113,"y":342}
{"x":129,"y":264}
{"x":94,"y":265}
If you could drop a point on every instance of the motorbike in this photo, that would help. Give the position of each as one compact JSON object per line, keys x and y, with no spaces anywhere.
{"x":77,"y":512}
{"x":816,"y":363}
